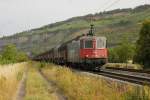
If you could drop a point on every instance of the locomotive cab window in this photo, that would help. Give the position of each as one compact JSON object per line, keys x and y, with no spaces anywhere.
{"x":88,"y":44}
{"x":101,"y":43}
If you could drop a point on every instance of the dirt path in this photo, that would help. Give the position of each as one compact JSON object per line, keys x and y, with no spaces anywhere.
{"x":21,"y":88}
{"x":54,"y":87}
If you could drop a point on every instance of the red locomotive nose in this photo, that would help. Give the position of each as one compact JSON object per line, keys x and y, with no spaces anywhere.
{"x":93,"y":47}
{"x":93,"y":53}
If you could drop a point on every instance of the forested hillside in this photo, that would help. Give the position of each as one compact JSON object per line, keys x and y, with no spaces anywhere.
{"x":115,"y":25}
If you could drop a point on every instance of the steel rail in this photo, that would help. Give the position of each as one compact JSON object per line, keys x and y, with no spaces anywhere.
{"x":125,"y":76}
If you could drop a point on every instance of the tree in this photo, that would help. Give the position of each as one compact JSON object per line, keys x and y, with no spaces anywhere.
{"x":10,"y":54}
{"x":113,"y":57}
{"x":143,"y":45}
{"x":125,"y":52}
{"x":122,"y":53}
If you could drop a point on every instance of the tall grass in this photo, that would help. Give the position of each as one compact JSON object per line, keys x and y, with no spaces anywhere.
{"x":83,"y":87}
{"x":10,"y":75}
{"x":36,"y":87}
{"x":139,"y":93}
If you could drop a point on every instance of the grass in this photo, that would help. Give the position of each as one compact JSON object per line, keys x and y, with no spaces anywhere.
{"x":83,"y":87}
{"x":36,"y":86}
{"x":10,"y":75}
{"x":76,"y":86}
{"x":139,"y":93}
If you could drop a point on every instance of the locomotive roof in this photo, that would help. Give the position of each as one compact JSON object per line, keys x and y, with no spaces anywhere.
{"x":91,"y":37}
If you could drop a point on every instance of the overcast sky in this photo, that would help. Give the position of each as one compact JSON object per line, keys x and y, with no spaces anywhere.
{"x":20,"y":15}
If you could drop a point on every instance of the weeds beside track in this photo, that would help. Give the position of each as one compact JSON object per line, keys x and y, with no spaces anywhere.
{"x":82,"y":87}
{"x":135,"y":76}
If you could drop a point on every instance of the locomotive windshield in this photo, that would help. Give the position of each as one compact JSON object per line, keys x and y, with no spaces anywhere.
{"x":88,"y":44}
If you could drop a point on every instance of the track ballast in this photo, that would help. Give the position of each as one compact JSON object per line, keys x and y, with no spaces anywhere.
{"x":140,"y":77}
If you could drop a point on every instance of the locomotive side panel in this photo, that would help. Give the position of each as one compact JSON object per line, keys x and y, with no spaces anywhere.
{"x":63,"y":54}
{"x":56,"y":54}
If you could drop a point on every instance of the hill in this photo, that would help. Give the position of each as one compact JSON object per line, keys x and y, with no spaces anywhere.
{"x":115,"y":25}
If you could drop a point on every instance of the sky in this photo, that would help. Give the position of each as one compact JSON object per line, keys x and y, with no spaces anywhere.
{"x":20,"y":15}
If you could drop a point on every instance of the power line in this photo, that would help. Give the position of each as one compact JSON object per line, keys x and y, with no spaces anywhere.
{"x":104,"y":5}
{"x":113,"y":3}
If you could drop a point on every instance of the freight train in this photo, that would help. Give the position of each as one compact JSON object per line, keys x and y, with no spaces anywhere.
{"x":87,"y":51}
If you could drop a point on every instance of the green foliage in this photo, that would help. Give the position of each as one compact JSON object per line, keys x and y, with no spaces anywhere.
{"x":137,"y":94}
{"x":143,"y":45}
{"x":10,"y":54}
{"x":122,"y":53}
{"x":21,"y":56}
{"x":113,"y":57}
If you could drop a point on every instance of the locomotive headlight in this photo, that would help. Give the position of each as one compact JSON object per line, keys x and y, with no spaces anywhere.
{"x":87,"y":55}
{"x":96,"y":55}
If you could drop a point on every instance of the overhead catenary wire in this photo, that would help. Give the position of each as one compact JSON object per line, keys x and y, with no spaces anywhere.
{"x":112,"y":4}
{"x":91,"y":17}
{"x":109,"y":6}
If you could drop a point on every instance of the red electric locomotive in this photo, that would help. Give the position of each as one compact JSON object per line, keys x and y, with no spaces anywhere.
{"x":88,"y":50}
{"x":94,"y":49}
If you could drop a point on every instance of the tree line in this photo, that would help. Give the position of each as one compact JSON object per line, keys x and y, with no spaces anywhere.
{"x":138,"y":52}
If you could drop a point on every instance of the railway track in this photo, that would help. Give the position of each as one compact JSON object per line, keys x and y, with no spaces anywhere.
{"x":140,"y":77}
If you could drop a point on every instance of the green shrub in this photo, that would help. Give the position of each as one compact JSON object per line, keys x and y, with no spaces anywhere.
{"x":122,"y":53}
{"x":10,"y":54}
